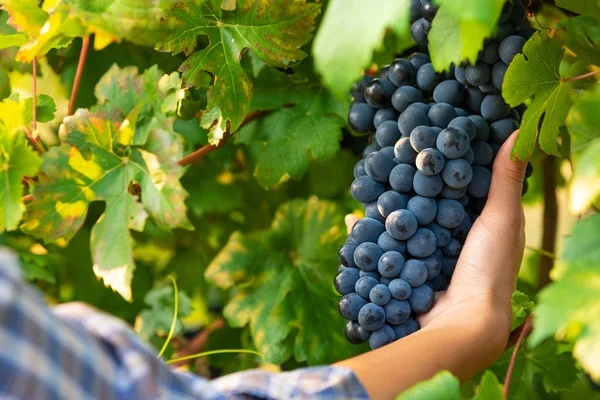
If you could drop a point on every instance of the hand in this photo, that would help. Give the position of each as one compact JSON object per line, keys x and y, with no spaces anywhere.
{"x":469,"y":326}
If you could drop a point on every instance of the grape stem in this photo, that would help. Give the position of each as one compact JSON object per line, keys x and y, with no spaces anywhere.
{"x":85,"y":44}
{"x":209,"y":148}
{"x":527,"y":327}
{"x":579,"y":77}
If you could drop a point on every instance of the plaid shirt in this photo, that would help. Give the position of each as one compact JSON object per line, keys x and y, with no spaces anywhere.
{"x":76,"y":352}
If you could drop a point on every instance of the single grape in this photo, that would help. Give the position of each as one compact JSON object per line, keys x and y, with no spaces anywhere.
{"x":361,"y":117}
{"x":528,"y":170}
{"x":448,"y":265}
{"x":402,"y":72}
{"x":503,"y":30}
{"x":502,"y":129}
{"x":346,"y":255}
{"x":423,"y":137}
{"x":359,"y":169}
{"x":483,"y":153}
{"x":372,"y":148}
{"x":419,"y":30}
{"x":424,"y":209}
{"x":465,"y":124}
{"x":397,"y":311}
{"x":358,"y":89}
{"x":422,"y":244}
{"x":489,"y":88}
{"x":452,"y":249}
{"x":461,"y":112}
{"x":449,"y":192}
{"x":428,"y":11}
{"x":415,"y":10}
{"x":401,"y":225}
{"x":442,"y":234}
{"x":371,"y":316}
{"x":346,"y":279}
{"x":450,"y":91}
{"x":390,"y":264}
{"x":450,"y":215}
{"x":381,"y":337}
{"x":461,"y":231}
{"x":405,"y":329}
{"x":469,"y":156}
{"x":350,"y":306}
{"x":441,"y":114}
{"x":378,"y":166}
{"x":478,"y":74}
{"x":362,"y":333}
{"x":401,"y":178}
{"x":385,"y":114}
{"x":380,"y":294}
{"x":494,"y":108}
{"x":430,"y":161}
{"x":459,"y":75}
{"x":489,"y":54}
{"x":366,"y":190}
{"x":457,"y":173}
{"x":383,"y":73}
{"x":453,"y":142}
{"x":351,"y":332}
{"x":514,"y":114}
{"x":427,"y":186}
{"x":421,"y":299}
{"x":482,"y":128}
{"x":418,"y":60}
{"x":473,"y":99}
{"x":410,"y":119}
{"x":400,"y":289}
{"x":480,"y":184}
{"x":428,"y":78}
{"x":378,"y":93}
{"x":404,"y":151}
{"x":389,"y":202}
{"x":510,"y":47}
{"x":421,"y":106}
{"x":414,"y":272}
{"x":366,"y":230}
{"x":371,"y":211}
{"x":433,"y":263}
{"x":367,"y":255}
{"x":364,"y":285}
{"x":388,"y":243}
{"x":387,"y":133}
{"x":404,"y":96}
{"x":498,"y":73}
{"x":373,"y":274}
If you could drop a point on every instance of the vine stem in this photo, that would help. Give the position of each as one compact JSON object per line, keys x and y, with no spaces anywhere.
{"x":208,"y":353}
{"x":579,"y":77}
{"x":175,"y":314}
{"x":550,"y":220}
{"x":209,"y":148}
{"x":527,"y":327}
{"x":85,"y":44}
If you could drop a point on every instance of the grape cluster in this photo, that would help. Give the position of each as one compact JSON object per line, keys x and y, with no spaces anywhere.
{"x":425,"y":177}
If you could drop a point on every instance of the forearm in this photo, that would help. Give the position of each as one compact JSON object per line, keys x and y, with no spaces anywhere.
{"x":463,"y":349}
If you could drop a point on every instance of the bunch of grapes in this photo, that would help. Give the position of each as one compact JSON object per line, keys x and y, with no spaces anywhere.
{"x":425,"y":177}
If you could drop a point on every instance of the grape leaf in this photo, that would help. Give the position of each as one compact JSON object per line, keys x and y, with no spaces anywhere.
{"x":582,"y":36}
{"x":281,"y":277}
{"x":556,"y":369}
{"x":138,"y":21}
{"x":158,"y":316}
{"x":459,"y":29}
{"x":585,"y":7}
{"x":489,"y":388}
{"x":92,"y":165}
{"x":583,"y":121}
{"x":443,"y":386}
{"x":273,"y":30}
{"x":535,"y":73}
{"x":521,"y":306}
{"x":16,"y":39}
{"x":569,"y":308}
{"x":346,"y":40}
{"x":17,"y":158}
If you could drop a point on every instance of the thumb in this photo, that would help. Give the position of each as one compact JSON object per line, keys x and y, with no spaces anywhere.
{"x":492,"y":254}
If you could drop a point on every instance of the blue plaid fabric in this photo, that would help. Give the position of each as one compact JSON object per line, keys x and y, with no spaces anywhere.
{"x":75,"y":352}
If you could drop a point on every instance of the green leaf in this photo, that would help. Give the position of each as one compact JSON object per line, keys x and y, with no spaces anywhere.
{"x":273,"y":30}
{"x":489,"y":388}
{"x":290,"y":135}
{"x":91,"y":165}
{"x":158,"y":316}
{"x":347,"y":38}
{"x":557,"y":370}
{"x":582,"y":36}
{"x":17,"y":159}
{"x":25,"y":15}
{"x":522,"y":306}
{"x":585,"y":185}
{"x":16,"y":39}
{"x":585,"y":7}
{"x":535,"y":73}
{"x":569,"y":308}
{"x":45,"y":108}
{"x":459,"y":29}
{"x":280,"y":277}
{"x":443,"y":386}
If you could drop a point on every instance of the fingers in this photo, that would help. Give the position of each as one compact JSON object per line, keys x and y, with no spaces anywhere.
{"x":350,"y":221}
{"x":492,"y":254}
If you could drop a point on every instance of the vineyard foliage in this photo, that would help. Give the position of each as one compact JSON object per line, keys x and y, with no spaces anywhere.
{"x":207,"y":140}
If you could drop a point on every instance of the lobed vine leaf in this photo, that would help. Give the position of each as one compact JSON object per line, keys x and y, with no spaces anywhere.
{"x":346,"y":40}
{"x":459,"y":29}
{"x":570,"y":308}
{"x":280,"y":277}
{"x":582,"y":36}
{"x":15,"y":39}
{"x":443,"y":386}
{"x":535,"y":73}
{"x":584,"y":7}
{"x":489,"y":388}
{"x":274,"y":30}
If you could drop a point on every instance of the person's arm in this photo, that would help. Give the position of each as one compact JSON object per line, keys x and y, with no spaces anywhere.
{"x":469,"y":326}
